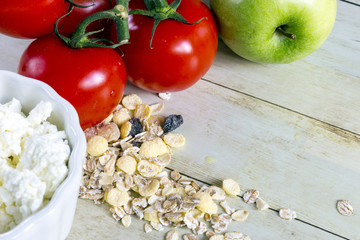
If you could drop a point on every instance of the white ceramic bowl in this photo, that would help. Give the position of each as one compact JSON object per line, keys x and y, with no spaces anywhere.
{"x":53,"y":222}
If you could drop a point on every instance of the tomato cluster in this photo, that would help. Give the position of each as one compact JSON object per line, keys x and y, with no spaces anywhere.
{"x":171,"y":57}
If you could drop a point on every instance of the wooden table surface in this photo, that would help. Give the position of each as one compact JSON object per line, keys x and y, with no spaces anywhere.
{"x":290,"y":131}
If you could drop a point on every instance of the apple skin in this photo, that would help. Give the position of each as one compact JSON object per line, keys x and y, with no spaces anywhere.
{"x":250,"y":27}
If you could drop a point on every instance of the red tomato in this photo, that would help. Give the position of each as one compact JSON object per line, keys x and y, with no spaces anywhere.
{"x":30,"y":18}
{"x":91,"y":79}
{"x":70,"y":23}
{"x":181,"y":54}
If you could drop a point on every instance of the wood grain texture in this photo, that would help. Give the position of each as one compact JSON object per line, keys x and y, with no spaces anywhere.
{"x":324,"y":85}
{"x":290,"y":131}
{"x":293,"y":160}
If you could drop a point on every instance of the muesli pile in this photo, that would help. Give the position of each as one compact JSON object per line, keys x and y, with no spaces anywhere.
{"x":125,"y":167}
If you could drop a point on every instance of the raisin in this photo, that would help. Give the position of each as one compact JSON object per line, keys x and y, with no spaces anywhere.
{"x":137,"y":144}
{"x":136,"y":126}
{"x":172,"y":122}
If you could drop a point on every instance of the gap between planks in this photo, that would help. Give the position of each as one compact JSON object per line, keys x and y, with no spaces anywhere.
{"x":272,"y":209}
{"x":333,"y":127}
{"x":353,"y":2}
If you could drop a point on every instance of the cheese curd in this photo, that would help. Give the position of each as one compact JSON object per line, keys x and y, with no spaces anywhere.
{"x":33,"y":161}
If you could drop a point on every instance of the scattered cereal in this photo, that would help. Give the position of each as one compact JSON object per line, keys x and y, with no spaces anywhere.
{"x":131,"y":101}
{"x":174,"y":140}
{"x":287,"y":214}
{"x":156,"y":108}
{"x":125,"y":129}
{"x":172,"y":235}
{"x":125,"y":165}
{"x":344,"y":208}
{"x":120,"y":116}
{"x":97,"y":145}
{"x":126,"y":221}
{"x":251,"y":196}
{"x":153,"y":148}
{"x":148,"y":228}
{"x":164,"y":96}
{"x":142,"y":111}
{"x":175,"y":175}
{"x":217,"y":237}
{"x":206,"y":204}
{"x":109,"y":131}
{"x":234,"y":236}
{"x":190,"y":236}
{"x":240,"y":215}
{"x":231,"y":187}
{"x":261,"y":204}
{"x":116,"y":197}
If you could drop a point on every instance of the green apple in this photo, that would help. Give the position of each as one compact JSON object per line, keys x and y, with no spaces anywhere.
{"x":274,"y":31}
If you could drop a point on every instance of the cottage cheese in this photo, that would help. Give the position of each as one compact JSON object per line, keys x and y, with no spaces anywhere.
{"x":33,"y":161}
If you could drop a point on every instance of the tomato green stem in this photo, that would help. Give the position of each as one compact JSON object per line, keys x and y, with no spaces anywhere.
{"x":80,"y":38}
{"x":78,"y":5}
{"x":160,"y":10}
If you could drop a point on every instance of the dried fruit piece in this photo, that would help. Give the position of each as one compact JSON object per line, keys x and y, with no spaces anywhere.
{"x":131,"y":101}
{"x":116,"y":197}
{"x":240,"y":215}
{"x":97,"y":146}
{"x":172,"y":122}
{"x":174,"y":140}
{"x":251,"y":196}
{"x":261,"y":204}
{"x":287,"y":214}
{"x":136,"y":127}
{"x":126,"y":164}
{"x":110,"y":132}
{"x":344,"y":208}
{"x":231,"y":187}
{"x":172,"y":235}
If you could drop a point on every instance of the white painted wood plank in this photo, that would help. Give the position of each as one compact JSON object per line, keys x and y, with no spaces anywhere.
{"x":11,"y":50}
{"x":341,"y":51}
{"x":294,"y":161}
{"x":325,"y":85}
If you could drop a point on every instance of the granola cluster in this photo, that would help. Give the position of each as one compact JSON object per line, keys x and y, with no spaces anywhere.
{"x":125,"y":167}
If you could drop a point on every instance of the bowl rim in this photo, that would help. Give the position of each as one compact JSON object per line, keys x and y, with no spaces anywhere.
{"x":78,"y":149}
